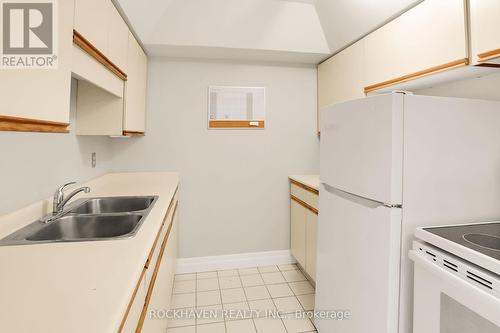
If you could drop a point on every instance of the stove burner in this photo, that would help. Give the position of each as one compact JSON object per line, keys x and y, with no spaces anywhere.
{"x":483,"y":240}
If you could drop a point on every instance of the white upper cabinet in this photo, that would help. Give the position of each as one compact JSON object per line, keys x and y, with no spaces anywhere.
{"x":427,"y":39}
{"x":341,"y":77}
{"x":485,"y":31}
{"x":135,"y":89}
{"x":117,"y":38}
{"x":91,"y":21}
{"x":39,"y":99}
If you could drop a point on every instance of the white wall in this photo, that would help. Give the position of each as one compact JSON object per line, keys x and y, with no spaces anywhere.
{"x":234,"y":195}
{"x":33,"y":165}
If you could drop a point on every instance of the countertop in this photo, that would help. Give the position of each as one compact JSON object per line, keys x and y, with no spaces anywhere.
{"x":79,"y":286}
{"x":307,"y":180}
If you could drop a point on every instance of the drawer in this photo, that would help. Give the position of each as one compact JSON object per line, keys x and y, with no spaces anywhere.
{"x":304,"y":195}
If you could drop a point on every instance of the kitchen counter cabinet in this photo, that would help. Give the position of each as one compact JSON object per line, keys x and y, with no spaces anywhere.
{"x":304,"y":197}
{"x":88,"y":286}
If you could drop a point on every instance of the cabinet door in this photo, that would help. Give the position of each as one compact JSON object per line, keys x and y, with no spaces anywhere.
{"x":41,"y":94}
{"x":91,"y":21}
{"x":485,"y":29}
{"x":311,"y":229}
{"x":427,"y":39}
{"x":298,"y":232}
{"x":340,"y":78}
{"x":135,"y":308}
{"x":162,"y":292}
{"x":135,"y":88}
{"x":117,"y":38}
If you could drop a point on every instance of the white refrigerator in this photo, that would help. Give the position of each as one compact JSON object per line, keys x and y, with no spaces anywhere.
{"x":388,"y":164}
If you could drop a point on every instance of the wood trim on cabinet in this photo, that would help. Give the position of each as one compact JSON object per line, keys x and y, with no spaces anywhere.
{"x":304,"y":204}
{"x":305,"y":187}
{"x":124,"y":320}
{"x":94,"y":52}
{"x":8,"y":123}
{"x":155,"y":274}
{"x":488,"y":65}
{"x":133,"y":133}
{"x":488,"y":55}
{"x":419,"y":74}
{"x":235,"y":124}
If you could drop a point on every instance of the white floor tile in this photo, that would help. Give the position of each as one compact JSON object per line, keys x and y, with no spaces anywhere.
{"x":208,"y":298}
{"x":228,"y":272}
{"x":294,"y":276}
{"x":206,"y":275}
{"x":189,"y":319}
{"x":182,"y":287}
{"x":248,"y":271}
{"x":257,"y":292}
{"x":279,"y":290}
{"x":287,"y":304}
{"x":180,"y":301}
{"x":294,"y":325}
{"x":189,"y":329}
{"x":211,"y":328}
{"x":233,"y":295}
{"x":184,"y":277}
{"x":273,"y":278}
{"x":252,"y":280}
{"x":287,"y":267}
{"x":209,"y":314}
{"x":302,"y":287}
{"x":207,"y":284}
{"x":269,"y":325}
{"x":263,"y":306}
{"x":240,"y":326}
{"x":307,"y":301}
{"x":268,"y":269}
{"x":229,"y":282}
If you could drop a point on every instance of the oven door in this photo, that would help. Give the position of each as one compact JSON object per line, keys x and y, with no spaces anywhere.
{"x":446,"y":303}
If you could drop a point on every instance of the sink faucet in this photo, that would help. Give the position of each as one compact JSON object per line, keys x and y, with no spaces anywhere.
{"x":59,"y":201}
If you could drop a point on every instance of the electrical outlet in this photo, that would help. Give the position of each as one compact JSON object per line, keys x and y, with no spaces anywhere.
{"x":94,"y":159}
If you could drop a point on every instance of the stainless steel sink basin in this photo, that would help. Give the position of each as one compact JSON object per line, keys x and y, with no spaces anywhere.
{"x":74,"y":227}
{"x":113,"y":205}
{"x":88,"y":220}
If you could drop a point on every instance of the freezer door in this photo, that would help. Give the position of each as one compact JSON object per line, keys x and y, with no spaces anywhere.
{"x":361,"y":148}
{"x":357,"y":263}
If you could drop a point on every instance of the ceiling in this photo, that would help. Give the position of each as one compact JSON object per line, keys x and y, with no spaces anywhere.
{"x":293,"y":31}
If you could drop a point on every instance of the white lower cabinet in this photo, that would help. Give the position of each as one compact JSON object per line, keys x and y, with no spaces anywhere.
{"x":298,"y":232}
{"x":303,"y":228}
{"x":154,"y":288}
{"x":311,"y":230}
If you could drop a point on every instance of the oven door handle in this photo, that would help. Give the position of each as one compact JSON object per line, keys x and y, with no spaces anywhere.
{"x":461,"y":290}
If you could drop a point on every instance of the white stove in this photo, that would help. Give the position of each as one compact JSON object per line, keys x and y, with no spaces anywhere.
{"x":457,"y":278}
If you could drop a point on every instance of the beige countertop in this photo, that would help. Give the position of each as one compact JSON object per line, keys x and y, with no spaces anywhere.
{"x":79,"y":286}
{"x":307,"y":180}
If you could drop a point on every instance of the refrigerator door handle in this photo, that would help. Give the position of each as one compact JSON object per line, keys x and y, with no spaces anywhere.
{"x":359,"y":199}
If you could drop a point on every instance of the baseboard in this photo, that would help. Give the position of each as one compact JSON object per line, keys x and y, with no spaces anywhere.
{"x":242,"y":260}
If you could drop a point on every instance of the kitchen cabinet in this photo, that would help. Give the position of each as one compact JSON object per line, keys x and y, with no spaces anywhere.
{"x":39,"y":99}
{"x":298,"y":232}
{"x":311,"y":231}
{"x":118,"y":38}
{"x":91,"y":21}
{"x":135,"y":89}
{"x":427,"y":39}
{"x":484,"y":28}
{"x":154,"y":287}
{"x":341,"y":77}
{"x":303,"y":226}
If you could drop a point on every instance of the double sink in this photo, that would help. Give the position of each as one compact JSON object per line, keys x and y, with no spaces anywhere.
{"x":88,"y":219}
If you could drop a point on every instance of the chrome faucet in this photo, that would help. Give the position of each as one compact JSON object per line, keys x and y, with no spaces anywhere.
{"x":60,"y":200}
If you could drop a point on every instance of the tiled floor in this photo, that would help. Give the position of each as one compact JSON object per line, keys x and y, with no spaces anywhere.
{"x":282,"y":288}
